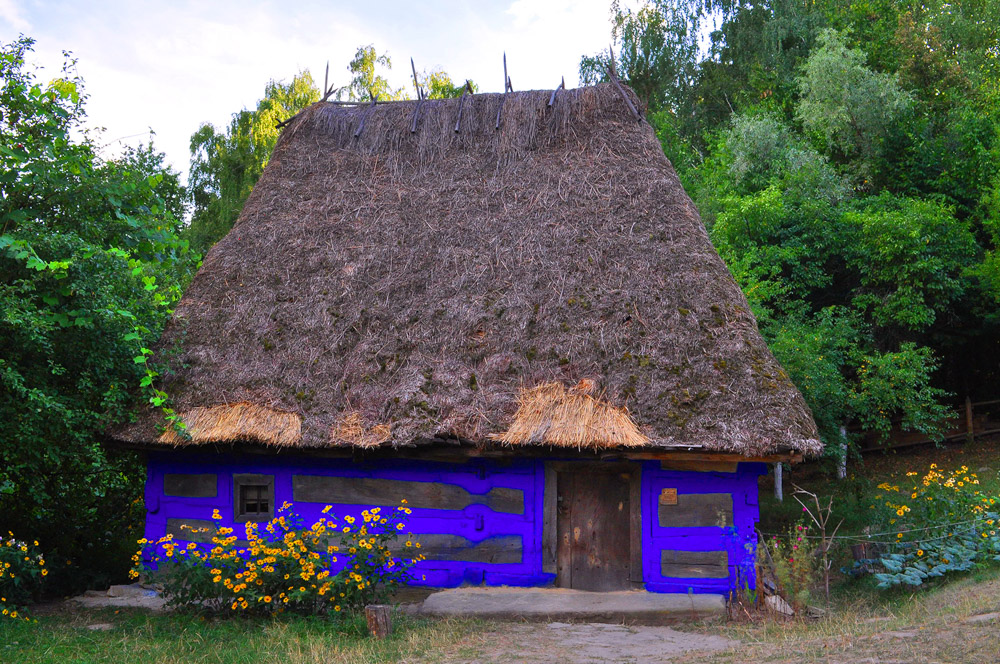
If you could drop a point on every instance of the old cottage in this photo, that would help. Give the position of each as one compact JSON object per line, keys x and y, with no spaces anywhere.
{"x":504,"y":309}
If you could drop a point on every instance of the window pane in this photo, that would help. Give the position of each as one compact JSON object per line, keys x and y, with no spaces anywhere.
{"x":254,"y":500}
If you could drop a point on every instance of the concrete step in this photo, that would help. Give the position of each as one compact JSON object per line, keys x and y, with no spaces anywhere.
{"x":576,"y":606}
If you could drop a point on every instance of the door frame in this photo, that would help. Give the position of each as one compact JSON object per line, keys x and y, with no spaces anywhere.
{"x":550,"y":535}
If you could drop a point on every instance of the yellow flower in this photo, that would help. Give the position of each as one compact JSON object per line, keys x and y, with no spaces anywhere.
{"x":920,"y":552}
{"x":45,"y":572}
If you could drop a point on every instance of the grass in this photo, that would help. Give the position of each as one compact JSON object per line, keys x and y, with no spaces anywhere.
{"x":137,"y":636}
{"x":888,"y":628}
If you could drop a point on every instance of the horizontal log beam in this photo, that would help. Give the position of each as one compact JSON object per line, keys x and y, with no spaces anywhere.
{"x":694,"y":564}
{"x":337,"y":490}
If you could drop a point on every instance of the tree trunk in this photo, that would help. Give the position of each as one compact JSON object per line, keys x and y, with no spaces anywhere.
{"x":842,"y":462}
{"x":379,"y":618}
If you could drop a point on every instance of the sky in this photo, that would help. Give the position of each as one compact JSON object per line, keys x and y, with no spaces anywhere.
{"x":170,"y":66}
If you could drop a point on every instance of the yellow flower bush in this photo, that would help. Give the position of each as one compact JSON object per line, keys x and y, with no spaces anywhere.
{"x":943,"y":522}
{"x":281,"y":565}
{"x":22,"y":569}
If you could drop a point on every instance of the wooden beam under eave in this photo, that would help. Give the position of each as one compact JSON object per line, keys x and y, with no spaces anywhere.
{"x":459,"y":451}
{"x":785,"y":457}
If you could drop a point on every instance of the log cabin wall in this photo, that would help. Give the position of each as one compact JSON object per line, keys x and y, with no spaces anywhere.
{"x":479,"y":521}
{"x":699,"y":527}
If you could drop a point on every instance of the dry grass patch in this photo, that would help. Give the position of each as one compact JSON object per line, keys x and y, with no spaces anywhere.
{"x":927,"y":626}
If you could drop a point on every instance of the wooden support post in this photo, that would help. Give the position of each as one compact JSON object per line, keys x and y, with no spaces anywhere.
{"x":613,"y":75}
{"x":461,"y":105}
{"x":503,"y":98}
{"x":379,"y":617}
{"x":416,"y":117}
{"x":416,"y":82}
{"x":364,"y":117}
{"x":552,"y":99}
{"x":969,"y":425}
{"x":777,"y":483}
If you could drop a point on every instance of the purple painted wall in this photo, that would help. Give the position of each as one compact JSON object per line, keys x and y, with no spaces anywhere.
{"x":475,"y":522}
{"x":739,"y":540}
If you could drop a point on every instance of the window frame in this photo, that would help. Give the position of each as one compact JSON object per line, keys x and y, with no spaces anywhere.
{"x":252,"y":479}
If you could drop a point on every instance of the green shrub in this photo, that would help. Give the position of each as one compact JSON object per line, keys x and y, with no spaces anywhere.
{"x":943,"y":522}
{"x":793,"y":562}
{"x":22,"y":569}
{"x":283,"y":566}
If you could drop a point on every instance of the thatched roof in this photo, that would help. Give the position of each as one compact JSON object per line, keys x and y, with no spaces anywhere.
{"x":547,"y":283}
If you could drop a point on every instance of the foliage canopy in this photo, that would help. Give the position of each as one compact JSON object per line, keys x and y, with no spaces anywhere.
{"x":844,"y":157}
{"x":90,"y":264}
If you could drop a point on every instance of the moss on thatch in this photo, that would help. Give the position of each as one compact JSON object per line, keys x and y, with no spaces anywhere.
{"x":397,"y":287}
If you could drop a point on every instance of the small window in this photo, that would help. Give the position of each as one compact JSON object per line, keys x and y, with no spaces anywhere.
{"x":254,"y":500}
{"x":253,"y":497}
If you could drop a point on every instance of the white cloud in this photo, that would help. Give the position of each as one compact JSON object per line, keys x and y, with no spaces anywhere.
{"x":11,"y":15}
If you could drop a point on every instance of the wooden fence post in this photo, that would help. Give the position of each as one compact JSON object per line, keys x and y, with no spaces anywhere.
{"x":971,"y":435}
{"x":777,"y":483}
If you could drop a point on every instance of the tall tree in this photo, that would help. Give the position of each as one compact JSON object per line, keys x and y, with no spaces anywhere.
{"x":90,"y":264}
{"x":366,"y":78}
{"x":225,"y":165}
{"x":852,"y":107}
{"x":844,"y":157}
{"x":437,"y":84}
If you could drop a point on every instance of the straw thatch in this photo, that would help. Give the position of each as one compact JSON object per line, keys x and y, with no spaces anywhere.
{"x":243,"y":422}
{"x":393,"y":288}
{"x":552,"y":415}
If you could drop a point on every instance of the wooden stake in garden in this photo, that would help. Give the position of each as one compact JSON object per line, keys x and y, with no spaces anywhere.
{"x":820,"y":516}
{"x":379,"y":619}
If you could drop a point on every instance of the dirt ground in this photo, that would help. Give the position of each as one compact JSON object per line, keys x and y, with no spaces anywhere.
{"x":563,"y":643}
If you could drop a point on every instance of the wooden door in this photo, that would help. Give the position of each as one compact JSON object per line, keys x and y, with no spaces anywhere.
{"x":593,"y":517}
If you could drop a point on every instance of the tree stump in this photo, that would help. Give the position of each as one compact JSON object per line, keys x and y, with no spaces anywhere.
{"x":379,"y":617}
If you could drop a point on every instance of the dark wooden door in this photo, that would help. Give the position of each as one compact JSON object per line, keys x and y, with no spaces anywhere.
{"x":593,"y":517}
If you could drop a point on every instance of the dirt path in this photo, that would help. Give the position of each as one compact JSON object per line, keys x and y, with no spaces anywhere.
{"x":563,"y":643}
